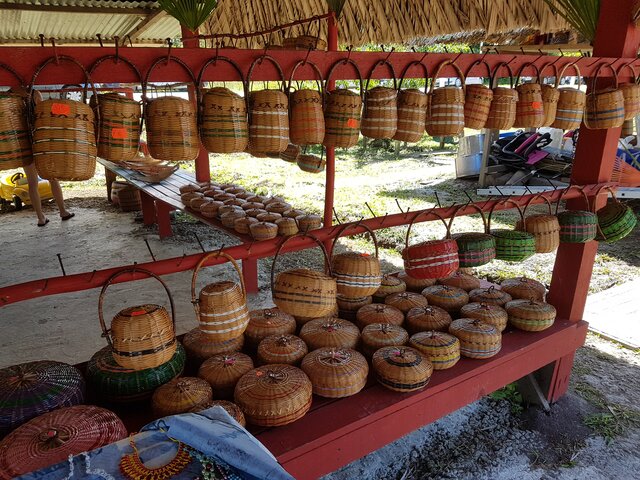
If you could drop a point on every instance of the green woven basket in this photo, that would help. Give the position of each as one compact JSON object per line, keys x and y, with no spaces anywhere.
{"x":474,"y":248}
{"x":616,"y":221}
{"x":512,"y":245}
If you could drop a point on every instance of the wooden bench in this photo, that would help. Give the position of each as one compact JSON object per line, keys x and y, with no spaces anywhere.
{"x":158,"y":200}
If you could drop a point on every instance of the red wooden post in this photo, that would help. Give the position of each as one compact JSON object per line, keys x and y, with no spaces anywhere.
{"x":332,"y":43}
{"x":148,"y":206}
{"x":164,"y":220}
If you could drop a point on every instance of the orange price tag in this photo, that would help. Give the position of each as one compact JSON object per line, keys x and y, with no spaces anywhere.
{"x":536,"y":105}
{"x":60,"y":109}
{"x":138,"y":312}
{"x":119,"y":133}
{"x":352,"y":122}
{"x":259,"y":373}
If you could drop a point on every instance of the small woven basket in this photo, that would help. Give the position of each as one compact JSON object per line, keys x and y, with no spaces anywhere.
{"x":274,"y":395}
{"x":441,"y":349}
{"x":431,"y":317}
{"x":530,"y":315}
{"x":293,"y":213}
{"x":291,"y":152}
{"x":243,"y":224}
{"x":380,"y":115}
{"x":287,"y":226}
{"x":266,"y":322}
{"x":461,"y":280}
{"x":523,"y":287}
{"x":477,"y":100}
{"x":545,"y":228}
{"x":402,"y":369}
{"x":269,"y":217}
{"x":416,"y":284}
{"x":179,"y":396}
{"x":445,"y":117}
{"x":631,"y":94}
{"x":571,"y":103}
{"x":474,"y":248}
{"x":199,"y":346}
{"x":615,"y":220}
{"x":502,"y":113}
{"x":378,"y":335}
{"x":348,"y":307}
{"x":389,"y":284}
{"x":529,"y":107}
{"x":231,"y":408}
{"x":306,"y":117}
{"x":412,"y":108}
{"x":512,"y":245}
{"x":604,"y":108}
{"x":335,"y":372}
{"x":277,"y":207}
{"x":451,"y":299}
{"x":311,"y":163}
{"x":477,"y":339}
{"x":263,"y":230}
{"x":286,"y":349}
{"x":330,"y":332}
{"x":550,"y":96}
{"x":405,"y":301}
{"x":487,"y":313}
{"x":223,"y":371}
{"x":309,"y":222}
{"x":342,"y":111}
{"x":378,"y":313}
{"x":491,"y":296}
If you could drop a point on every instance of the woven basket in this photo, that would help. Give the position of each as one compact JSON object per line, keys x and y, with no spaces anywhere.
{"x":223,"y":371}
{"x":477,"y":339}
{"x":303,"y":292}
{"x":309,"y":41}
{"x":129,"y":199}
{"x":263,"y":230}
{"x":433,"y":258}
{"x":277,"y":207}
{"x":119,"y":127}
{"x":254,"y":212}
{"x":14,"y":128}
{"x":402,"y":369}
{"x":412,"y":108}
{"x":221,"y":307}
{"x":293,"y":213}
{"x":111,"y":383}
{"x":389,"y":284}
{"x":306,"y":117}
{"x":291,"y":152}
{"x":269,"y":217}
{"x":416,"y":284}
{"x":143,"y":336}
{"x":502,"y":112}
{"x":330,"y":332}
{"x":512,"y":245}
{"x":525,"y":288}
{"x":441,"y":349}
{"x":274,"y":395}
{"x":199,"y":346}
{"x":445,"y":117}
{"x":311,"y":163}
{"x":56,"y":436}
{"x":461,"y":280}
{"x":604,"y":108}
{"x":530,"y":315}
{"x":266,"y":322}
{"x":474,"y":248}
{"x":615,"y":220}
{"x":378,"y":313}
{"x":431,"y":317}
{"x":243,"y":224}
{"x":405,"y":301}
{"x":631,"y":93}
{"x":571,"y":103}
{"x":348,"y":307}
{"x":309,"y":222}
{"x":231,"y":408}
{"x":378,"y":335}
{"x":335,"y":372}
{"x":451,"y":299}
{"x":487,"y":313}
{"x":252,"y":205}
{"x":287,"y":226}
{"x":529,"y":107}
{"x":268,"y":114}
{"x":550,"y":96}
{"x":342,"y":111}
{"x":477,"y":100}
{"x":286,"y":349}
{"x":545,"y":228}
{"x":228,"y":219}
{"x":31,"y":389}
{"x":491,"y":296}
{"x":357,"y":274}
{"x":179,"y":396}
{"x":380,"y":114}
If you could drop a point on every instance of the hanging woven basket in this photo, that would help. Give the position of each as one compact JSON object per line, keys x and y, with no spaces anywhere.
{"x":412,"y":108}
{"x":531,"y":315}
{"x":477,"y":100}
{"x":604,"y":108}
{"x":486,"y":312}
{"x":545,"y":228}
{"x":490,"y":295}
{"x":431,"y":317}
{"x":524,"y":288}
{"x":266,"y":322}
{"x":451,"y":299}
{"x":335,"y":372}
{"x":441,"y":349}
{"x":445,"y":117}
{"x":378,"y":335}
{"x":474,"y":248}
{"x":477,"y":339}
{"x":330,"y":332}
{"x":631,"y":93}
{"x":577,"y":226}
{"x":342,"y":111}
{"x":502,"y":112}
{"x":402,"y":369}
{"x":223,"y":371}
{"x":550,"y":95}
{"x":14,"y":126}
{"x":311,"y":163}
{"x":292,"y":151}
{"x":380,"y":115}
{"x":142,"y":336}
{"x":223,"y":121}
{"x":306,"y":115}
{"x":283,"y":349}
{"x":180,"y":396}
{"x":512,"y":245}
{"x":571,"y":103}
{"x":529,"y":107}
{"x":615,"y":220}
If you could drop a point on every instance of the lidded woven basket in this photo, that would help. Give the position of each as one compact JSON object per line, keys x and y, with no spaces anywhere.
{"x":477,"y":100}
{"x":461,"y":280}
{"x":287,"y":226}
{"x":379,"y":313}
{"x":477,"y":339}
{"x":243,"y":224}
{"x":412,"y":108}
{"x":530,"y":315}
{"x":357,"y":274}
{"x":523,"y":287}
{"x":309,"y":222}
{"x":263,"y":230}
{"x":342,"y":111}
{"x":380,"y":115}
{"x":378,"y":335}
{"x":487,"y":312}
{"x":491,"y":295}
{"x":431,"y":317}
{"x":335,"y":372}
{"x":119,"y":127}
{"x":179,"y":396}
{"x":445,"y":116}
{"x":451,"y":299}
{"x":502,"y":112}
{"x":330,"y":332}
{"x":388,"y":285}
{"x":268,"y":217}
{"x":416,"y":284}
{"x":223,"y":371}
{"x":200,"y":346}
{"x":348,"y":307}
{"x":55,"y":436}
{"x":405,"y":301}
{"x":274,"y":395}
{"x":287,"y":349}
{"x":441,"y":349}
{"x":266,"y":322}
{"x":231,"y":408}
{"x":402,"y":369}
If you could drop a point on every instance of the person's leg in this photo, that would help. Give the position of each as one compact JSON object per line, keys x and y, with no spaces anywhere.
{"x":34,"y":195}
{"x":56,"y":189}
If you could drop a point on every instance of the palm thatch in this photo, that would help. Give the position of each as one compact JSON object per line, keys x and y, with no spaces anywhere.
{"x":386,"y":21}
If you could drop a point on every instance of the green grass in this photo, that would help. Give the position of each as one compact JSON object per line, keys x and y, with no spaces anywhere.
{"x":511,"y":394}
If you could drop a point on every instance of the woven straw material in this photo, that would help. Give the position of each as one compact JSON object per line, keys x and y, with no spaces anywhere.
{"x":550,"y":96}
{"x":335,"y":372}
{"x":388,"y":285}
{"x":224,"y":127}
{"x":446,"y":112}
{"x":254,"y":212}
{"x":330,"y":332}
{"x":431,"y":259}
{"x":628,"y":128}
{"x":615,"y":221}
{"x":302,"y":292}
{"x":278,"y":207}
{"x":529,"y":107}
{"x":577,"y":226}
{"x":502,"y":113}
{"x":179,"y":396}
{"x":223,"y":310}
{"x":357,"y":275}
{"x":477,"y":104}
{"x":378,"y":313}
{"x":378,"y":335}
{"x":545,"y":230}
{"x":269,"y":121}
{"x":197,"y":203}
{"x":380,"y":117}
{"x":31,"y":389}
{"x":266,"y":322}
{"x":172,"y":129}
{"x":112,"y":383}
{"x":274,"y":395}
{"x":491,"y":295}
{"x":631,"y":94}
{"x":348,"y":307}
{"x":228,"y":219}
{"x":530,"y":315}
{"x":199,"y":346}
{"x":475,"y":249}
{"x":263,"y":230}
{"x":513,"y":245}
{"x":402,"y":369}
{"x":416,"y":284}
{"x":128,"y":198}
{"x":190,"y":187}
{"x":412,"y":115}
{"x":250,"y":205}
{"x":487,"y":313}
{"x":285,"y":349}
{"x":269,"y":217}
{"x":461,"y":280}
{"x":306,"y":125}
{"x":342,"y":114}
{"x":570,"y":109}
{"x":311,"y":163}
{"x":64,"y":141}
{"x":243,"y":224}
{"x":477,"y":339}
{"x":292,"y":151}
{"x":15,"y":146}
{"x":306,"y":42}
{"x":119,"y":127}
{"x":293,"y":213}
{"x":451,"y":299}
{"x":287,"y":226}
{"x":231,"y":408}
{"x":55,"y":436}
{"x":525,"y":288}
{"x":423,"y":319}
{"x":309,"y":222}
{"x":405,"y":301}
{"x":223,"y":371}
{"x":143,"y":337}
{"x":604,"y":109}
{"x":441,"y":349}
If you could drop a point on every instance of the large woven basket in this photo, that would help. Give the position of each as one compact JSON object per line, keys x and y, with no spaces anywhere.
{"x":461,"y":280}
{"x":431,"y":317}
{"x":199,"y":346}
{"x":335,"y":372}
{"x":180,"y":396}
{"x":287,"y":349}
{"x":119,"y":127}
{"x":268,"y":114}
{"x":378,"y":335}
{"x":451,"y":299}
{"x":223,"y":371}
{"x":441,"y":349}
{"x":415,"y":284}
{"x":14,"y":132}
{"x":380,"y":115}
{"x":631,"y":93}
{"x":31,"y":389}
{"x":604,"y":108}
{"x":412,"y":108}
{"x":477,"y":100}
{"x":274,"y":395}
{"x":524,"y":288}
{"x":545,"y":228}
{"x":490,"y":295}
{"x":389,"y":284}
{"x":266,"y":322}
{"x":530,"y":315}
{"x":405,"y":301}
{"x":221,"y":307}
{"x":486,"y":312}
{"x":512,"y":245}
{"x":571,"y":103}
{"x":378,"y":313}
{"x":445,"y":116}
{"x":477,"y":339}
{"x":142,"y":336}
{"x":330,"y":332}
{"x":550,"y":96}
{"x":474,"y":248}
{"x":306,"y":116}
{"x":303,"y":292}
{"x":615,"y":220}
{"x":342,"y":111}
{"x":402,"y":369}
{"x":577,"y":226}
{"x":56,"y":436}
{"x":502,"y":112}
{"x":529,"y":107}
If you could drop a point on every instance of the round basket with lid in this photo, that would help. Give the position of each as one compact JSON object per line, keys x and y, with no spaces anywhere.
{"x":335,"y":372}
{"x":389,"y":284}
{"x":477,"y":338}
{"x":378,"y":313}
{"x":266,"y":322}
{"x":378,"y":335}
{"x":243,"y":224}
{"x":231,"y":408}
{"x":223,"y":371}
{"x":441,"y":349}
{"x":490,"y":295}
{"x":179,"y":396}
{"x":487,"y":312}
{"x":330,"y":332}
{"x":294,"y":213}
{"x":287,"y":226}
{"x":523,"y":287}
{"x":431,"y":317}
{"x":210,"y":209}
{"x":461,"y":280}
{"x":415,"y":284}
{"x":348,"y":307}
{"x":402,"y":369}
{"x":450,"y":299}
{"x":199,"y":346}
{"x":309,"y":222}
{"x":229,"y":219}
{"x":405,"y":301}
{"x":530,"y":315}
{"x":287,"y":349}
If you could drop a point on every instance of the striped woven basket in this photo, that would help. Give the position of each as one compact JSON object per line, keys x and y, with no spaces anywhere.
{"x":402,"y":369}
{"x":529,"y":107}
{"x":577,"y":226}
{"x":512,"y":245}
{"x":474,"y":248}
{"x":604,"y":108}
{"x":306,"y":116}
{"x":348,"y":307}
{"x":490,"y":295}
{"x":287,"y":226}
{"x":380,"y":115}
{"x":416,"y":284}
{"x":291,"y":153}
{"x":335,"y":372}
{"x":223,"y":371}
{"x":120,"y":127}
{"x":615,"y":220}
{"x":14,"y":127}
{"x":545,"y":228}
{"x":502,"y":112}
{"x":405,"y":301}
{"x":263,"y":230}
{"x":461,"y":280}
{"x":550,"y":95}
{"x":571,"y":103}
{"x":631,"y":93}
{"x":389,"y":284}
{"x":180,"y":396}
{"x":284,"y":349}
{"x":477,"y":339}
{"x":412,"y":108}
{"x":378,"y":335}
{"x":486,"y":312}
{"x":445,"y":116}
{"x":311,"y":163}
{"x":342,"y":111}
{"x":308,"y":222}
{"x":451,"y":299}
{"x":424,"y":319}
{"x":477,"y":100}
{"x":378,"y":313}
{"x":531,"y":315}
{"x":266,"y":322}
{"x":523,"y":288}
{"x":441,"y":349}
{"x":330,"y":332}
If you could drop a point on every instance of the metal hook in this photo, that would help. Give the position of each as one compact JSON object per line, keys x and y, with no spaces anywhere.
{"x":250,"y":247}
{"x":198,"y":240}
{"x":304,"y":62}
{"x":399,"y":207}
{"x":514,"y":57}
{"x":46,"y":282}
{"x":349,"y":50}
{"x":468,"y":196}
{"x":561,"y":52}
{"x":149,"y":248}
{"x":170,"y":43}
{"x":335,"y":214}
{"x":522,"y":51}
{"x":41,"y":39}
{"x":372,"y":212}
{"x":117,"y":42}
{"x":55,"y":50}
{"x":99,"y":39}
{"x":593,"y":63}
{"x":456,"y":57}
{"x":484,"y":55}
{"x":446,"y":50}
{"x":437,"y":199}
{"x":215,"y":59}
{"x":93,"y":274}
{"x":130,"y":42}
{"x":64,"y":274}
{"x":184,"y":255}
{"x":393,"y":49}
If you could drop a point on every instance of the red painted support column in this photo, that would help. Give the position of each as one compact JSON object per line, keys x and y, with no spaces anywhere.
{"x":148,"y":206}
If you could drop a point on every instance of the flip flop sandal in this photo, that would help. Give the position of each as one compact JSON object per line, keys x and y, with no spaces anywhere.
{"x":43,"y":224}
{"x":67,"y":217}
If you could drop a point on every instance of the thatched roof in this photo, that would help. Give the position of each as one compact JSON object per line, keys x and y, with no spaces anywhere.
{"x":387,"y":21}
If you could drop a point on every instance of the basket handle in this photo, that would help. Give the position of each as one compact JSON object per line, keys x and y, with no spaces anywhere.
{"x":595,"y":76}
{"x":354,"y":225}
{"x":213,"y":61}
{"x":155,"y":64}
{"x":15,"y":74}
{"x":344,"y":61}
{"x":305,"y":234}
{"x":426,"y":212}
{"x":474,"y":64}
{"x":577,"y":70}
{"x":194,"y":300}
{"x":553,"y":67}
{"x":259,"y":61}
{"x":455,"y":67}
{"x":581,"y":190}
{"x":424,"y":69}
{"x":504,"y":202}
{"x":132,"y":270}
{"x":525,"y":65}
{"x":381,"y":63}
{"x":534,"y":197}
{"x":495,"y":77}
{"x":302,"y":63}
{"x":475,"y":207}
{"x":633,"y":71}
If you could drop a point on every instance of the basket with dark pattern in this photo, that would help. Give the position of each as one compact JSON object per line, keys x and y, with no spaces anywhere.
{"x":530,"y":315}
{"x":402,"y":369}
{"x":487,"y":312}
{"x":615,"y":220}
{"x":441,"y":349}
{"x":604,"y":107}
{"x":571,"y":101}
{"x":14,"y":129}
{"x":342,"y":111}
{"x":378,"y":335}
{"x":474,"y":248}
{"x":577,"y":226}
{"x":389,"y":284}
{"x":512,"y":245}
{"x":412,"y":108}
{"x":477,"y":101}
{"x":477,"y":339}
{"x":380,"y":115}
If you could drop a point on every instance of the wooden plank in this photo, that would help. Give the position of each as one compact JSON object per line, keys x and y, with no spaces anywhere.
{"x":150,"y":20}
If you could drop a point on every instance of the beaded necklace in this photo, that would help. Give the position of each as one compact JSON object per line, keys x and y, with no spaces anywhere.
{"x":132,"y":467}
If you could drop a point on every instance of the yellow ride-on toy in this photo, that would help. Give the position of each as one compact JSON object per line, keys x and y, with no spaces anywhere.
{"x":15,"y":189}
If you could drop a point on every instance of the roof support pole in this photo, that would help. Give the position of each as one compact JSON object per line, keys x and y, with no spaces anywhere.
{"x":330,"y":169}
